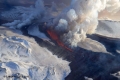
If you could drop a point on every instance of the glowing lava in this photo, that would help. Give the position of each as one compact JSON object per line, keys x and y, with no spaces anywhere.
{"x":55,"y":37}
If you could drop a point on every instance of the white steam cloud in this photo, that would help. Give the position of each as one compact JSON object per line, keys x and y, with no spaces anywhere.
{"x":74,"y":22}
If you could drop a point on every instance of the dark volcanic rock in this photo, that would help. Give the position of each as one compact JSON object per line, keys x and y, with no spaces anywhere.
{"x":96,"y":65}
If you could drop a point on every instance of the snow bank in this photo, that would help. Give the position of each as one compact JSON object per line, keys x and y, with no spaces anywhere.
{"x":21,"y":57}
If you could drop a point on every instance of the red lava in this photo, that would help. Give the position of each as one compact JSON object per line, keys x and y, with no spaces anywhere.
{"x":55,"y":37}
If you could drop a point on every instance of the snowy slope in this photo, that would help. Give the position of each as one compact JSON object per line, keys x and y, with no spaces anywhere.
{"x":108,"y":29}
{"x":21,"y":57}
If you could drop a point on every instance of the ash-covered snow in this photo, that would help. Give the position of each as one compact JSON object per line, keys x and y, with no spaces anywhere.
{"x":108,"y":29}
{"x":86,"y":78}
{"x":21,"y":57}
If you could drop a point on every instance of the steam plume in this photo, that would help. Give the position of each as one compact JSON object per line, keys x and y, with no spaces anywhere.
{"x":74,"y":22}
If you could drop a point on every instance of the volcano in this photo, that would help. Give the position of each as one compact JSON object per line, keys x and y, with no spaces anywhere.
{"x":60,"y":40}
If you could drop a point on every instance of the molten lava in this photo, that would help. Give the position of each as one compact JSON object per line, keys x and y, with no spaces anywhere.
{"x":55,"y":37}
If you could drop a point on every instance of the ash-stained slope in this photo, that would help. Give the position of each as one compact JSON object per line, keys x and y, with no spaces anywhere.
{"x":22,"y":58}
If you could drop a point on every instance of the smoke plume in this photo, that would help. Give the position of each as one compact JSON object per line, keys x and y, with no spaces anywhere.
{"x":72,"y":23}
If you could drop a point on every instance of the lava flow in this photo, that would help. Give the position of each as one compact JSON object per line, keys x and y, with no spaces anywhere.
{"x":55,"y":37}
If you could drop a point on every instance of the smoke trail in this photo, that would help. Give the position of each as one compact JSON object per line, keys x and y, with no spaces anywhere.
{"x":111,"y":12}
{"x":82,"y":18}
{"x":73,"y":23}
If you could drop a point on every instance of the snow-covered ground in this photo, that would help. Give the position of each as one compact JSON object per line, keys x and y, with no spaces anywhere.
{"x":21,"y":57}
{"x":108,"y":29}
